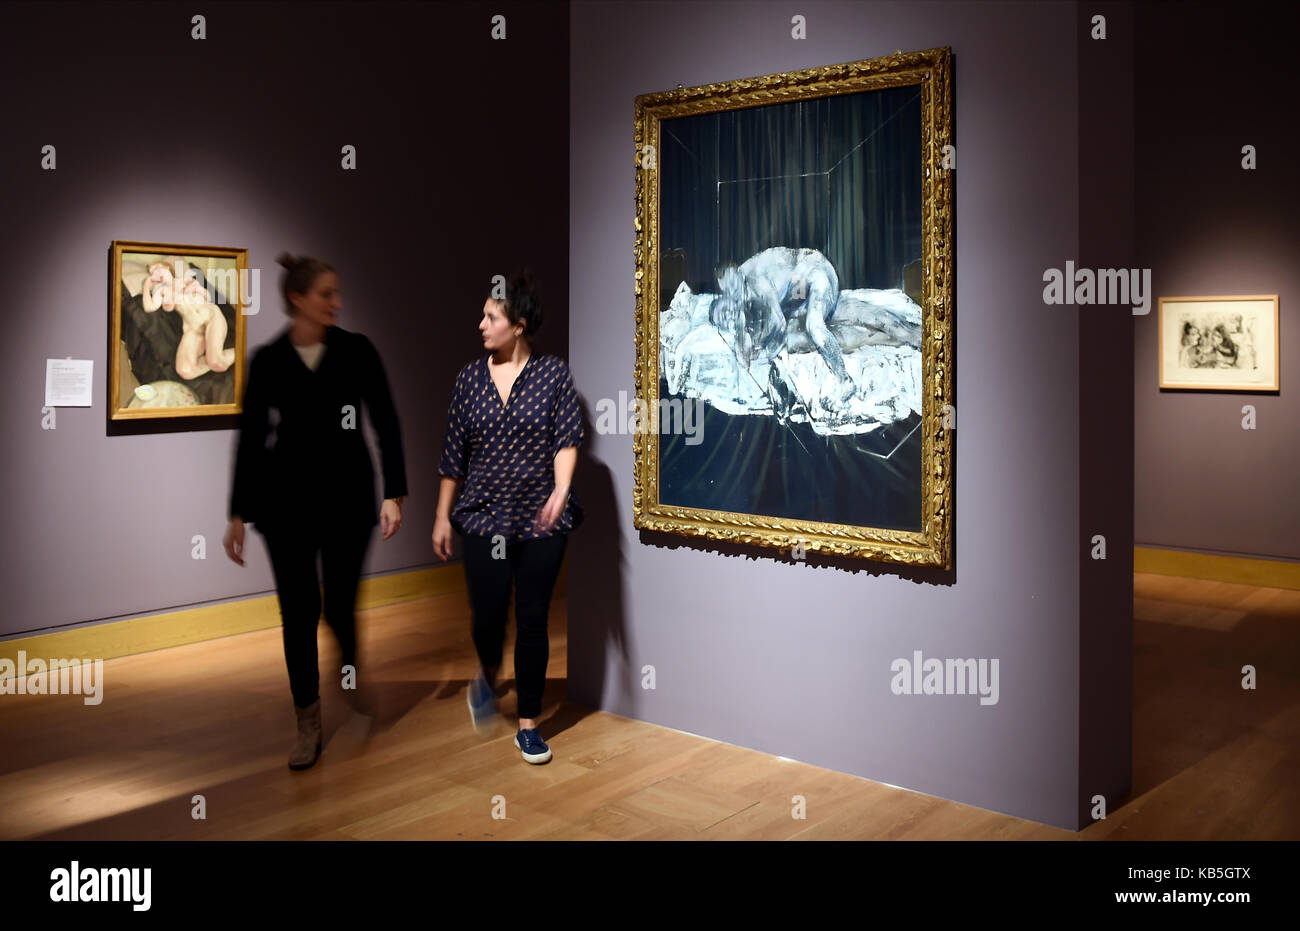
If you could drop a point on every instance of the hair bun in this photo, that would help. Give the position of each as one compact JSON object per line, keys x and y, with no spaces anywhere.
{"x":523,"y":301}
{"x":300,"y":272}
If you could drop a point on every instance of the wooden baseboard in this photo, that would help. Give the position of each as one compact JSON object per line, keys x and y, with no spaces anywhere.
{"x":210,"y":622}
{"x":1243,"y":570}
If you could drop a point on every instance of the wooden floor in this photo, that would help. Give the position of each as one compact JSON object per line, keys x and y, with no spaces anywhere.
{"x":1211,"y":761}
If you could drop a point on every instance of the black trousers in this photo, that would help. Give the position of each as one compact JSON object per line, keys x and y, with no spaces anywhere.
{"x":293,"y":552}
{"x":532,"y":566}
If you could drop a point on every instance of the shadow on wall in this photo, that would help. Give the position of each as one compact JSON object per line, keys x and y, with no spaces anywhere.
{"x":597,"y":607}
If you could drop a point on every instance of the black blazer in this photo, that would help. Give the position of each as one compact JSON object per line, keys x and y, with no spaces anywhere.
{"x":301,"y":455}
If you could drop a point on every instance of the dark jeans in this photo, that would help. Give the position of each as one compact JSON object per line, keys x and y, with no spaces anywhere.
{"x":533,"y":566}
{"x":293,"y":560}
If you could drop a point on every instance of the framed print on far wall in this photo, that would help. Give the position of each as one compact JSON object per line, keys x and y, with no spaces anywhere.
{"x":794,"y":295}
{"x":178,"y":341}
{"x":1227,"y":343}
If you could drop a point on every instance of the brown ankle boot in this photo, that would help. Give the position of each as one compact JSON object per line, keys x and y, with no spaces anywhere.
{"x":307,"y":750}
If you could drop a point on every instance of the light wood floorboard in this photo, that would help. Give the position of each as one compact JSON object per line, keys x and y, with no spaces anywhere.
{"x":1211,"y":760}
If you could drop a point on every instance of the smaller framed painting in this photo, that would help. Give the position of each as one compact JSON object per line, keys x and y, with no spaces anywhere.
{"x":1219,"y":343}
{"x":177,"y":330}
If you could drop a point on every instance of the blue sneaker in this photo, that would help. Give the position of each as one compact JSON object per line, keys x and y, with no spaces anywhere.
{"x":482,"y":704}
{"x":532,"y":746}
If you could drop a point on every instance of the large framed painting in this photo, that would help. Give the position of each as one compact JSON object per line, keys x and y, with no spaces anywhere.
{"x":1219,"y":343}
{"x":178,"y":330}
{"x":794,"y":310}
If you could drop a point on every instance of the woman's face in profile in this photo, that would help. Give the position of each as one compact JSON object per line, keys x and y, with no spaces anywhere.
{"x":495,"y":326}
{"x":321,"y":302}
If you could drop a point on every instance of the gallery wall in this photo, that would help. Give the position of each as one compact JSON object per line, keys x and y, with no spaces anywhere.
{"x":1107,"y":239}
{"x":235,"y":140}
{"x":752,"y":648}
{"x":1212,"y":79}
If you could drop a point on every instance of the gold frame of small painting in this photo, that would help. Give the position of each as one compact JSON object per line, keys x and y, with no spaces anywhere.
{"x":179,"y":339}
{"x":679,"y":266}
{"x":1219,"y":343}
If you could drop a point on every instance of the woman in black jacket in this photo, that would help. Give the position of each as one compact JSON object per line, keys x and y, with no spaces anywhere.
{"x":304,"y":478}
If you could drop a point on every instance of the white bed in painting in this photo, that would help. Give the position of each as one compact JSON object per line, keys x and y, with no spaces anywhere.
{"x":879,"y":333}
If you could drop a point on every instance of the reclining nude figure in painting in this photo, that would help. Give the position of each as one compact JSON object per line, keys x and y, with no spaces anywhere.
{"x":760,"y":298}
{"x":203,"y":325}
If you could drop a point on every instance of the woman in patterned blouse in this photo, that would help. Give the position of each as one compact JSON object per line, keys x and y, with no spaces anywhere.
{"x":513,"y":431}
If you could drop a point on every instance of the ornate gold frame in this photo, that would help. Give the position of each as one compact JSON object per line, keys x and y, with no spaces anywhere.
{"x":932,"y":545}
{"x":241,"y":264}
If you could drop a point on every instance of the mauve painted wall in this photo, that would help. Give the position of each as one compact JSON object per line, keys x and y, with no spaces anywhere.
{"x":1106,"y":240}
{"x":462,"y":155}
{"x":1211,"y":79}
{"x":794,"y":660}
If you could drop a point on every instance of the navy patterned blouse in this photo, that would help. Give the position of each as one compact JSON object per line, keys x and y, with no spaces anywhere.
{"x":505,"y":452}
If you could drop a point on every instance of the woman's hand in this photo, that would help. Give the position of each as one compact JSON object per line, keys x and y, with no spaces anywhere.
{"x":442,"y":538}
{"x":390,"y":517}
{"x":234,"y":540}
{"x":551,"y":510}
